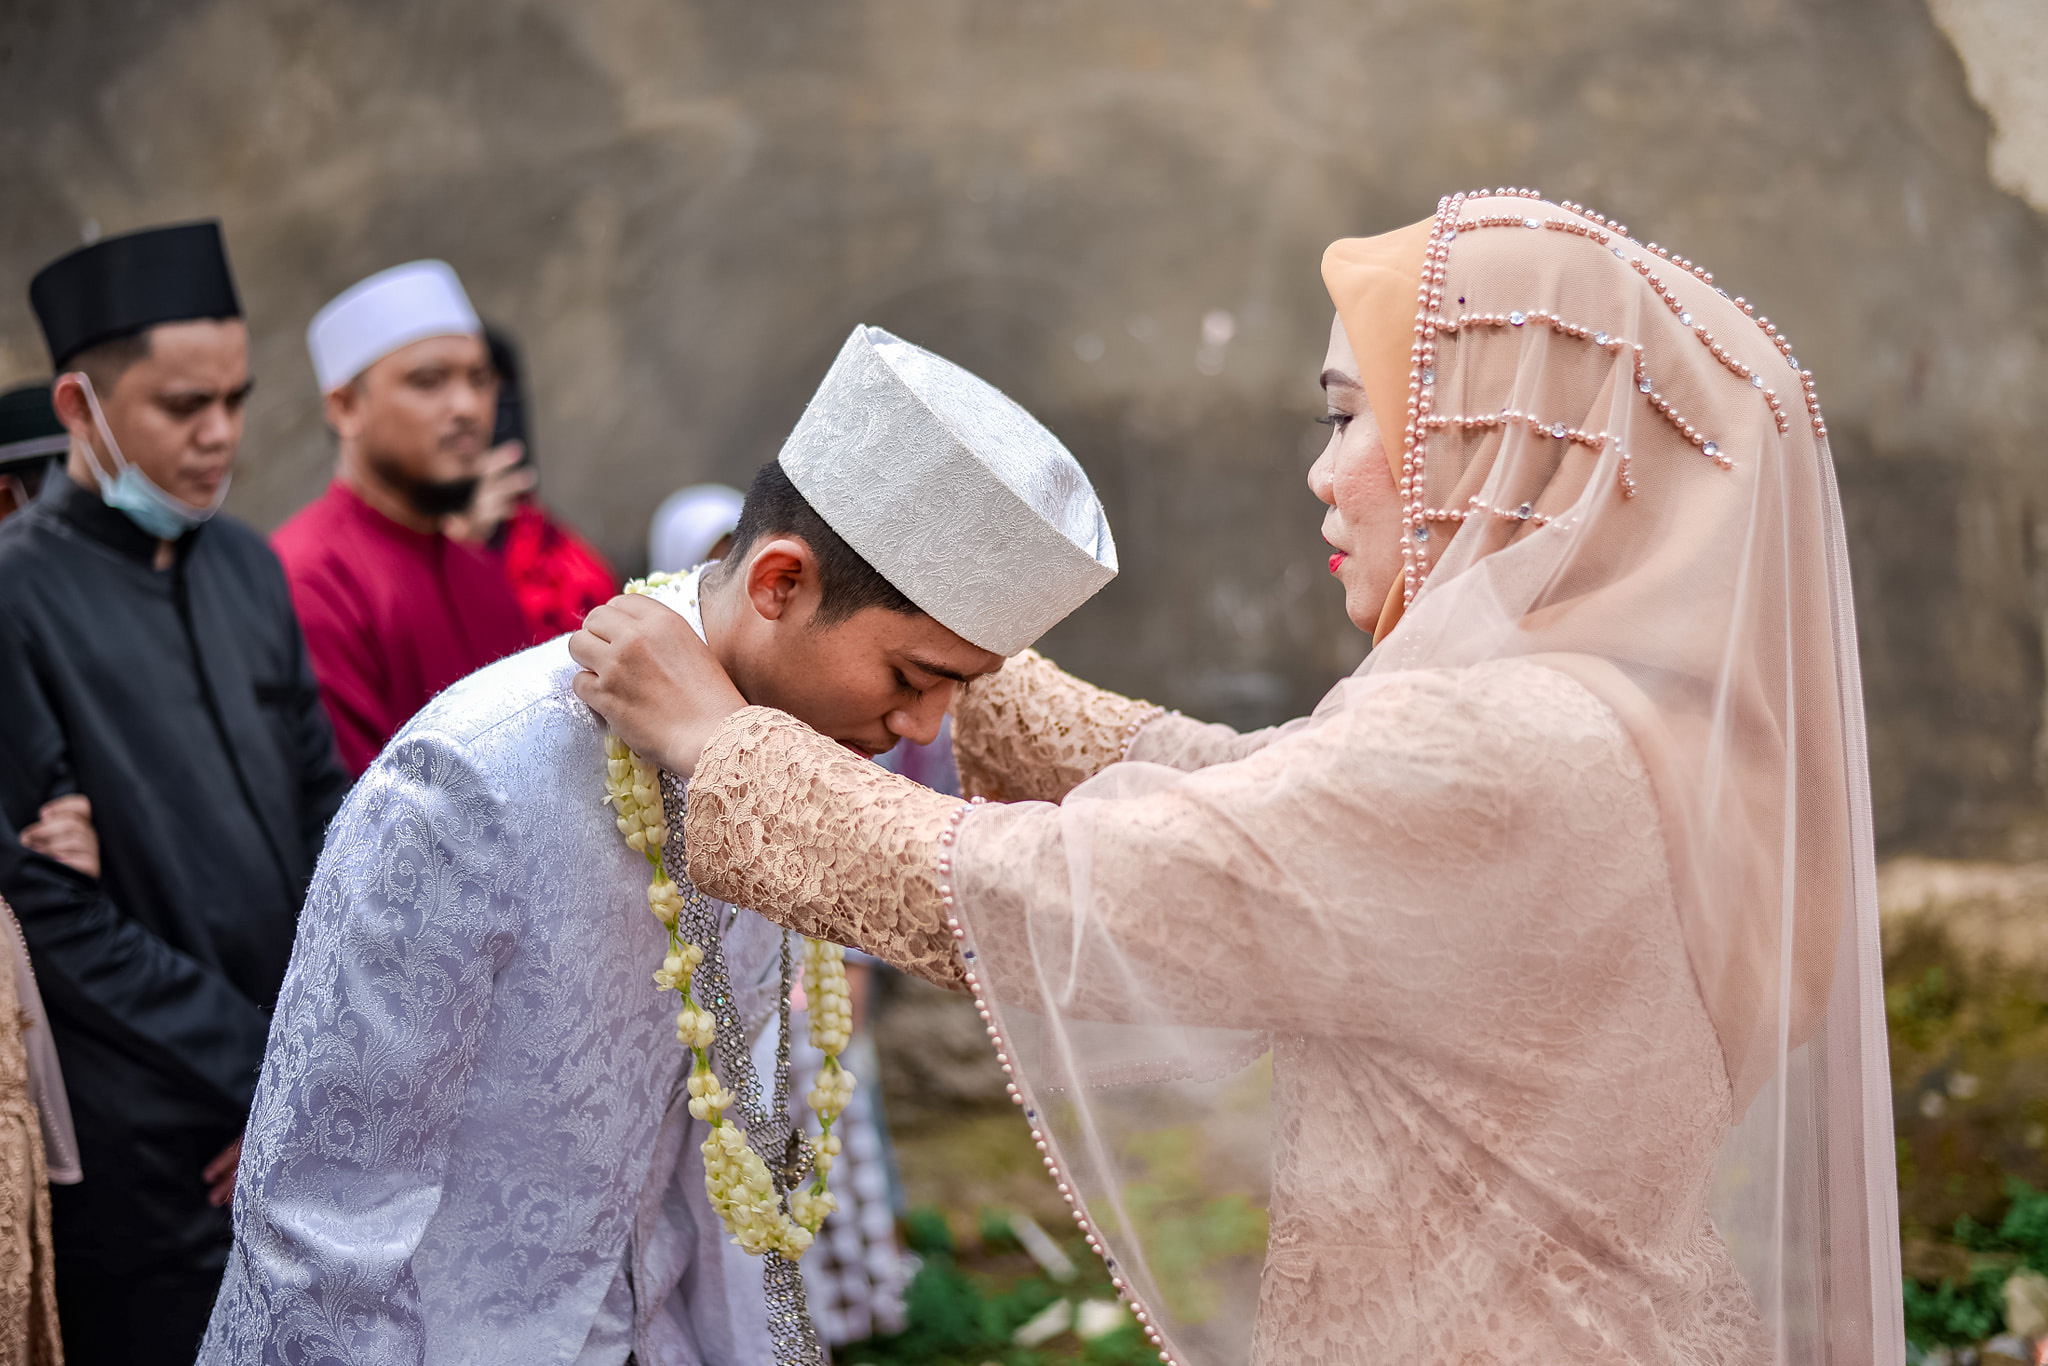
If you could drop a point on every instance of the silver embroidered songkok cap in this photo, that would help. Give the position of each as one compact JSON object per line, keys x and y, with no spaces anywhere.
{"x":957,"y":496}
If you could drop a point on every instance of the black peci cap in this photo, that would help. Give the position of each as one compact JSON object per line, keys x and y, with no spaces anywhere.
{"x":29,"y":430}
{"x":122,"y":285}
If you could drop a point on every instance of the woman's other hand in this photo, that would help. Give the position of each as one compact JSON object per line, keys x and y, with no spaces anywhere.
{"x":653,"y":681}
{"x":63,"y":831}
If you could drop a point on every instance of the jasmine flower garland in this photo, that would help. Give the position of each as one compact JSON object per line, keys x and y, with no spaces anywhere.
{"x":740,"y":1186}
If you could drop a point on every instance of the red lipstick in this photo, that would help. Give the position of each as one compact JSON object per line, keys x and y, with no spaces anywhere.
{"x":1336,"y":560}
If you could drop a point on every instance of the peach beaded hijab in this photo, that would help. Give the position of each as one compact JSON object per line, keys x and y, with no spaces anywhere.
{"x":1609,"y":465}
{"x":1690,"y":591}
{"x":1611,"y":469}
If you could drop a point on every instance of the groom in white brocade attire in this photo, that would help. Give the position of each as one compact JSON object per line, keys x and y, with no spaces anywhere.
{"x":472,"y":1140}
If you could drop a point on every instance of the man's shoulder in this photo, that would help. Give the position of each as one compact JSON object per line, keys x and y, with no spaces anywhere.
{"x":27,"y":534}
{"x":310,"y":533}
{"x":41,"y":561}
{"x":516,"y":711}
{"x":511,"y":748}
{"x":24,"y":553}
{"x":236,"y":541}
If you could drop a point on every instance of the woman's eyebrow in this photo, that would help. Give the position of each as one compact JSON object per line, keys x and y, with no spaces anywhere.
{"x":1334,"y":377}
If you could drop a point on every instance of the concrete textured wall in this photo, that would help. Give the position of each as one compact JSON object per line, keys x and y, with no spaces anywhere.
{"x":682,"y":205}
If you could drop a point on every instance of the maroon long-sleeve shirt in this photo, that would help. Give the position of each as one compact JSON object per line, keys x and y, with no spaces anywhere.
{"x":391,"y":615}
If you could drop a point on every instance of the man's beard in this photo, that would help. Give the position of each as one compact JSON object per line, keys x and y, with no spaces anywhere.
{"x":443,"y":498}
{"x":430,"y":498}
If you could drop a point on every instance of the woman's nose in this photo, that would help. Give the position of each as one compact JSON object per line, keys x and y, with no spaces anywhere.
{"x":1321,"y":480}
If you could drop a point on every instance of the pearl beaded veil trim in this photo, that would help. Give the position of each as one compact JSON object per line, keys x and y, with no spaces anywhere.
{"x":1431,"y":321}
{"x":1611,"y":520}
{"x":1138,"y":723}
{"x":1020,"y":1096}
{"x":1600,"y":467}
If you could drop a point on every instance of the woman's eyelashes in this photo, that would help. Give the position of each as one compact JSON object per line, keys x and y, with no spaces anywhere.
{"x":1337,"y":420}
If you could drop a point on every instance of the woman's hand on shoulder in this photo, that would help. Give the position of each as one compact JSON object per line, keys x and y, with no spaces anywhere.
{"x":657,"y":685}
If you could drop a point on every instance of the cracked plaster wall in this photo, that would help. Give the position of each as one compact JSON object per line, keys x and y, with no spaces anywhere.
{"x":682,"y":207}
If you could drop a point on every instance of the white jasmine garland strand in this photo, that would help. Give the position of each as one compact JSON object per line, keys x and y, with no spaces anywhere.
{"x":738,"y":1182}
{"x":829,"y":999}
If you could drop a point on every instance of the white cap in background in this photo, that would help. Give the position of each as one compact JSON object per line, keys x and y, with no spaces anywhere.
{"x":393,"y":308}
{"x":688,"y":524}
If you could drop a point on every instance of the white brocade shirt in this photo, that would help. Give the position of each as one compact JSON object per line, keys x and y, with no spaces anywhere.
{"x":470,"y":1142}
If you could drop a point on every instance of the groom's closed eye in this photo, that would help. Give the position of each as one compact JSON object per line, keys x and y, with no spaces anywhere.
{"x":935,"y":670}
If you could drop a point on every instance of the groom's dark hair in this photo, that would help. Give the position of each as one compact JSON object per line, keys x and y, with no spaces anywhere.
{"x":846,"y":583}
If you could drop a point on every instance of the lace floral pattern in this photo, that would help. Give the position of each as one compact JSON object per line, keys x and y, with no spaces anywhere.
{"x":1186,"y":744}
{"x":1495,"y":1120}
{"x":1497,"y":1098}
{"x":1032,"y":732}
{"x":28,"y":1294}
{"x":839,"y":847}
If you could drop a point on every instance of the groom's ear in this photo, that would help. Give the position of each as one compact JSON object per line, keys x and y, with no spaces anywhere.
{"x":782,"y":580}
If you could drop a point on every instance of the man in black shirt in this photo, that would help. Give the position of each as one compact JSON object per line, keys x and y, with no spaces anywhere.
{"x":31,"y":437}
{"x":150,"y":663}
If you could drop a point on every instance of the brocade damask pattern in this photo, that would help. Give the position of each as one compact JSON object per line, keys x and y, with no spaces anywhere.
{"x":469,"y":1073}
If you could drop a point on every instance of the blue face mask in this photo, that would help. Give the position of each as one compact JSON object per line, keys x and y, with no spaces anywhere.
{"x":134,"y":494}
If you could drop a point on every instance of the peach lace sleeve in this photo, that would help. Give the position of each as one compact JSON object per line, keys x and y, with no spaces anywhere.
{"x":28,"y":1296}
{"x":790,"y":824}
{"x":1187,"y":744}
{"x":1033,"y":732}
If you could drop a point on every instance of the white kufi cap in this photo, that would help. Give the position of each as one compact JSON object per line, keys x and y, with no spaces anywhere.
{"x":957,"y":496}
{"x":688,"y":524}
{"x":393,"y":308}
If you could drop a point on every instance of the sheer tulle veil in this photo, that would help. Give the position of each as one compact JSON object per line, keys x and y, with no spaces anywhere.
{"x":1611,"y":468}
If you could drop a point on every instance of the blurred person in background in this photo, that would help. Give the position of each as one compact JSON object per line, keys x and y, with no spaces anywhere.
{"x":170,"y":772}
{"x":692,"y":526}
{"x":556,"y":574}
{"x":394,"y":609}
{"x":31,"y":439}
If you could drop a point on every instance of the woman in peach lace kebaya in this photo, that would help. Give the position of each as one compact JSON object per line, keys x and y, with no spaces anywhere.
{"x":1521,"y":1004}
